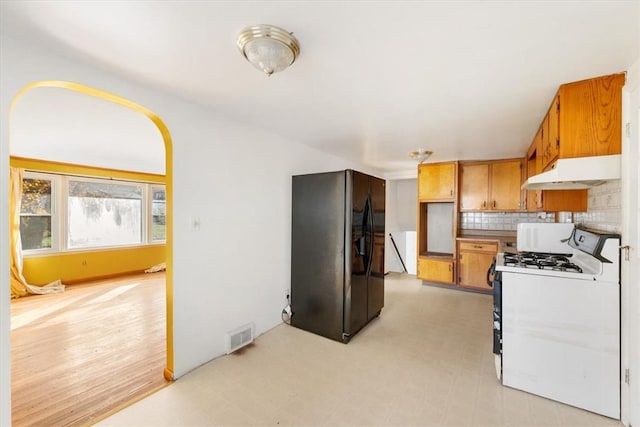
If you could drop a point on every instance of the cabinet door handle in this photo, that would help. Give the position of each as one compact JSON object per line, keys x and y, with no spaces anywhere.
{"x":449,"y":267}
{"x":451,"y":192}
{"x":494,"y":203}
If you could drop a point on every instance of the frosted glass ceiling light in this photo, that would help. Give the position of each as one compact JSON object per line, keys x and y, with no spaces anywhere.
{"x":270,"y":49}
{"x":421,"y":155}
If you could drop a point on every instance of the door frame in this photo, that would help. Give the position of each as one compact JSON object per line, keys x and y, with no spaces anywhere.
{"x":166,"y":137}
{"x":630,"y":269}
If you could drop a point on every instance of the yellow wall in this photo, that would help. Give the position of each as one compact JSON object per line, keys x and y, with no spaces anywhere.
{"x":78,"y":266}
{"x":73,"y":267}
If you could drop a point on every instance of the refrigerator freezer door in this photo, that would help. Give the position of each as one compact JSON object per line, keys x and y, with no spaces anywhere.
{"x":356,"y":284}
{"x":318,"y":253}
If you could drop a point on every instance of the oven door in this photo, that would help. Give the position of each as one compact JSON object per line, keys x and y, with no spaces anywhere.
{"x":497,"y":312}
{"x":561,"y":339}
{"x":494,"y":279}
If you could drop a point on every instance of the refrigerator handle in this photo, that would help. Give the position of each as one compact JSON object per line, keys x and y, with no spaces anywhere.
{"x":361,"y":243}
{"x":361,"y":246}
{"x":370,"y":232}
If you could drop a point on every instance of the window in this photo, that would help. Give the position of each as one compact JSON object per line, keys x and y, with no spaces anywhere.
{"x":93,"y":213}
{"x":36,"y":213}
{"x":158,"y":214}
{"x":103,"y":214}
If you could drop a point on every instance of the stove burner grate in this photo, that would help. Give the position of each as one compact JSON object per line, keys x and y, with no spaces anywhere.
{"x":568,"y":266}
{"x":541,"y":260}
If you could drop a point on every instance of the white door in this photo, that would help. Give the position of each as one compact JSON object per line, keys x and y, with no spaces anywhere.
{"x":630,"y":261}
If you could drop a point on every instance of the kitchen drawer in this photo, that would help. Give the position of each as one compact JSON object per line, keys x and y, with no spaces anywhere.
{"x":479,"y":246}
{"x":474,"y":259}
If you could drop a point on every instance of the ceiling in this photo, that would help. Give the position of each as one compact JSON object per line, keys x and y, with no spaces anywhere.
{"x":374,"y":80}
{"x":62,"y":125}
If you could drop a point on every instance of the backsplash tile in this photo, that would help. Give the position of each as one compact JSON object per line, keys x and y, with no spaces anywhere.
{"x":500,"y":220}
{"x":605,"y":208}
{"x":604,"y":213}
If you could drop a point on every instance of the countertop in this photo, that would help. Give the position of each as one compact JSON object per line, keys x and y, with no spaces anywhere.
{"x":506,"y":239}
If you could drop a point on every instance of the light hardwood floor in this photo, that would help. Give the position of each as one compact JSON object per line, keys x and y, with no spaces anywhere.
{"x":426,"y":361}
{"x":79,"y":355}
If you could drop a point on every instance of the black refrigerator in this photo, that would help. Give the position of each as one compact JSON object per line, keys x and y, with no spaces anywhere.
{"x":337,"y":252}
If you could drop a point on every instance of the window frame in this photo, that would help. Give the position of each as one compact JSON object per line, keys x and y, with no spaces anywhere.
{"x":60,"y":217}
{"x":151,"y":188}
{"x":54,"y":215}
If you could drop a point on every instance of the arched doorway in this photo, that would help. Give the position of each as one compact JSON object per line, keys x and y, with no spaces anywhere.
{"x":166,"y":139}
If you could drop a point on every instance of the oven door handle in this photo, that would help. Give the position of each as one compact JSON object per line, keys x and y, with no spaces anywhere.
{"x":491,"y":271}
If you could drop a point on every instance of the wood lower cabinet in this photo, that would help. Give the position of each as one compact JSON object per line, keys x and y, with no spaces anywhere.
{"x":474,"y":260}
{"x":435,"y":269}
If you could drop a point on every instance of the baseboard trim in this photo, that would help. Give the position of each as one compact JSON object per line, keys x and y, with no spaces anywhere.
{"x":168,"y":374}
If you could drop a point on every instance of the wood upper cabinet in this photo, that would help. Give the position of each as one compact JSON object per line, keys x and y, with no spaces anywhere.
{"x":549,"y":134}
{"x":435,"y":269}
{"x":437,"y":181}
{"x":534,"y":165}
{"x":491,"y":186}
{"x":474,"y":186}
{"x":550,"y":200}
{"x":563,"y":201}
{"x":506,"y":179}
{"x":474,"y":260}
{"x":584,"y":119}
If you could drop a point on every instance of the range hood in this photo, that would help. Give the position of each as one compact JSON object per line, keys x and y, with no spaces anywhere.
{"x":576,"y":173}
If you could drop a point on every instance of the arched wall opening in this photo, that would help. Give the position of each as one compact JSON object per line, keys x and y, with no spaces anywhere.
{"x":168,"y":170}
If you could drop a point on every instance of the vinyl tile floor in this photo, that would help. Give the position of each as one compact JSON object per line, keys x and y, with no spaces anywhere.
{"x":426,"y":361}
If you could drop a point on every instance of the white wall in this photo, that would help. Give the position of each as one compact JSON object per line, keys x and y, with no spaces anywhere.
{"x":235,"y":179}
{"x":401,"y":217}
{"x":604,"y":210}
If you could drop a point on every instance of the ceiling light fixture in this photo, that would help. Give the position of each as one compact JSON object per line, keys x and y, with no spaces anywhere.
{"x":270,"y":49}
{"x":421,"y":155}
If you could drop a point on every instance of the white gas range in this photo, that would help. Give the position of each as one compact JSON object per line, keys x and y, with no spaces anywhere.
{"x":557,"y":316}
